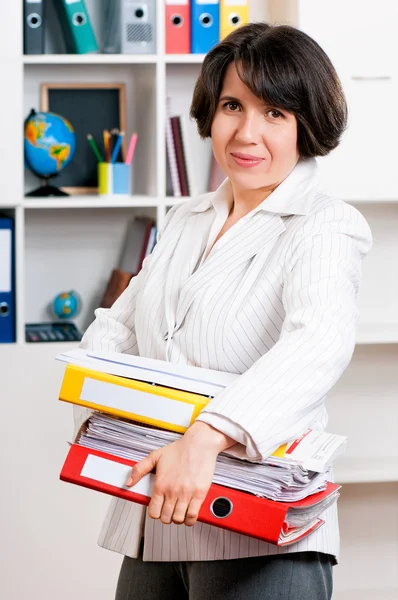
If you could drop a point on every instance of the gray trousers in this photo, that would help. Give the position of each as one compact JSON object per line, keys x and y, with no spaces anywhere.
{"x":295,"y":576}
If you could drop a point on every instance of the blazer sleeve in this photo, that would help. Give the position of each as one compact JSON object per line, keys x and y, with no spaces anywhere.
{"x":113,"y":328}
{"x":283,"y":392}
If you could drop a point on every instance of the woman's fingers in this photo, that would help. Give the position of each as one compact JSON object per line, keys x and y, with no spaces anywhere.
{"x":193,"y":511}
{"x":180,"y":511}
{"x":156,"y":505}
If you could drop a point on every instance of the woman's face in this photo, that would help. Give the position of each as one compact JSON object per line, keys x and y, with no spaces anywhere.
{"x":255,"y":144}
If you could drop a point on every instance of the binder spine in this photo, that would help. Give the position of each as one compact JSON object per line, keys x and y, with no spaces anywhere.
{"x":223,"y":507}
{"x":138,"y":401}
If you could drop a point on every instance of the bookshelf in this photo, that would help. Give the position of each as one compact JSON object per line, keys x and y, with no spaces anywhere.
{"x":74,"y":242}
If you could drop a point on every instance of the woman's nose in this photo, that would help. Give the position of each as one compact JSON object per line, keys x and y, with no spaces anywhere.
{"x":248,"y":130}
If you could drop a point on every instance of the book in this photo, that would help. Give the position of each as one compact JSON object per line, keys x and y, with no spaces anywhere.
{"x":171,"y":153}
{"x":180,"y":156}
{"x":134,"y":252}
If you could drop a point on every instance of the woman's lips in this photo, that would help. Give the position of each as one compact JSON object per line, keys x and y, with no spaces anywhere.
{"x":246,"y":160}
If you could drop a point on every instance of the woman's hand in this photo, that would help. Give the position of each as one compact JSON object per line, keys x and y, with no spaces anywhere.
{"x":184,"y":472}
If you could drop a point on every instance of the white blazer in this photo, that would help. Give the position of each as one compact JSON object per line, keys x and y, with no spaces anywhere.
{"x":275,"y":300}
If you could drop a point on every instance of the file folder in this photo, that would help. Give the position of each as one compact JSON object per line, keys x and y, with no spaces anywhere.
{"x":76,"y":26}
{"x":138,"y":26}
{"x":154,"y":405}
{"x":223,"y":507}
{"x":233,"y":14}
{"x":7,"y":276}
{"x":205,"y":25}
{"x":33,"y":26}
{"x":178,"y":27}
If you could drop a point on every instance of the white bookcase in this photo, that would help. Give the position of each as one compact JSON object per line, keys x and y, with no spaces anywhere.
{"x":50,"y":528}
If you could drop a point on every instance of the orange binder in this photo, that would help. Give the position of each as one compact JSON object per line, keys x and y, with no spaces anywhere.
{"x":178,"y":27}
{"x":223,"y":507}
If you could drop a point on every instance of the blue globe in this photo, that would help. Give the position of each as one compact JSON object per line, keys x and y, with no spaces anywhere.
{"x":66,"y":305}
{"x":49,"y":143}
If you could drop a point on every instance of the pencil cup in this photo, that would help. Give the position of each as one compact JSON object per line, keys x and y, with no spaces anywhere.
{"x":114,"y":178}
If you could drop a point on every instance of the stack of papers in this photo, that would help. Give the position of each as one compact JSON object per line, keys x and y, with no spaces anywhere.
{"x":282,"y":478}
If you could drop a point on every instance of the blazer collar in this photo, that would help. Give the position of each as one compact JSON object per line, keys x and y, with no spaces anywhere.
{"x":293,"y":196}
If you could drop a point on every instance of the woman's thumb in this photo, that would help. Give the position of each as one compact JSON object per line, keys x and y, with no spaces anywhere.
{"x":146,"y":465}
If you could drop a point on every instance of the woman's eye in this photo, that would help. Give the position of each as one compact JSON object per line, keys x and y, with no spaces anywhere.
{"x":274,"y":114}
{"x":231,"y":105}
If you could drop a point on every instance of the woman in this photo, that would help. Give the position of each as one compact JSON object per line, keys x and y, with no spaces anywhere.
{"x":258,"y":278}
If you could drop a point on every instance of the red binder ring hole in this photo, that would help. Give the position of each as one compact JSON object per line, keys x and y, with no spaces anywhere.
{"x":4,"y":309}
{"x":221,"y":507}
{"x":177,"y":20}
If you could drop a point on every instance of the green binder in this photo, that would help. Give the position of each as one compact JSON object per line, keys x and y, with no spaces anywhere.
{"x":76,"y":26}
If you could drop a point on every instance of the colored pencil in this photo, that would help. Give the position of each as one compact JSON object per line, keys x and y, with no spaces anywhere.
{"x":116,"y":149}
{"x":107,"y":145}
{"x":94,"y":147}
{"x":130,"y":151}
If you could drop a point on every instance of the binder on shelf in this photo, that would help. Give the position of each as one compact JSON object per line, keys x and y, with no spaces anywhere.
{"x":7,"y":276}
{"x":140,"y":401}
{"x":76,"y":26}
{"x":178,"y":27}
{"x":233,"y":14}
{"x":205,"y":25}
{"x":231,"y":509}
{"x":138,"y":27}
{"x":33,"y":26}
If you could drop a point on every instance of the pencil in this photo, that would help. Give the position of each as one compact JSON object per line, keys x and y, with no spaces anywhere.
{"x":130,"y":151}
{"x":94,"y":147}
{"x":117,"y":147}
{"x":107,"y":142}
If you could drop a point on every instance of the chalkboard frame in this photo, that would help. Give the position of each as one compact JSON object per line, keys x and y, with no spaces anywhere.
{"x":45,"y":106}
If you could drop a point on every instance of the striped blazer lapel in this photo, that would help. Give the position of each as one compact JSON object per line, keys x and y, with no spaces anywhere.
{"x":240,"y":243}
{"x":184,"y":252}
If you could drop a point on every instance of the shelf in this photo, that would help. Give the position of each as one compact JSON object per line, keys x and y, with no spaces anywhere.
{"x":110,"y":59}
{"x":117,"y":201}
{"x":366,"y":470}
{"x":184,"y":58}
{"x":89,"y":59}
{"x":377,"y":333}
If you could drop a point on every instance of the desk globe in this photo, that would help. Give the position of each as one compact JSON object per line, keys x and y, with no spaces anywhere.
{"x":49,"y":145}
{"x":66,"y":305}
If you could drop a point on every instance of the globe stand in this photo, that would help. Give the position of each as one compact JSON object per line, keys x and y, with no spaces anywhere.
{"x":46,"y":190}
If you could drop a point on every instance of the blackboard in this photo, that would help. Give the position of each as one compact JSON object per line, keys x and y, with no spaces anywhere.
{"x":90,"y":108}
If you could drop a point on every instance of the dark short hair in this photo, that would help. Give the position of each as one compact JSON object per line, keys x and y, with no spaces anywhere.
{"x":286,"y":69}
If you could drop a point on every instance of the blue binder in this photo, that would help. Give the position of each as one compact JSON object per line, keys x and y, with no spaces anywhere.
{"x":7,"y":275}
{"x":205,"y":25}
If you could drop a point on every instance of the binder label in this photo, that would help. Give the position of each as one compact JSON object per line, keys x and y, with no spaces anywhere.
{"x":158,"y":408}
{"x":113,"y":473}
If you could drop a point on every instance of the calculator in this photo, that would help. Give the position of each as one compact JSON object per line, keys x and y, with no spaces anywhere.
{"x":52,"y":332}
